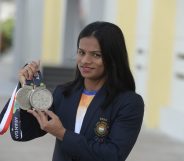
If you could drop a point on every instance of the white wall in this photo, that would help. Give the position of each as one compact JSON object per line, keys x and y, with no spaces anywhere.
{"x":172,"y":118}
{"x":144,"y":19}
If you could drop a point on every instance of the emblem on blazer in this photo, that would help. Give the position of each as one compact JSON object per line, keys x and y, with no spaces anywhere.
{"x":102,"y":127}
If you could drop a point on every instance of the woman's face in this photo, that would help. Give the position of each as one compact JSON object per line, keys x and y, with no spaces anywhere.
{"x":89,"y":59}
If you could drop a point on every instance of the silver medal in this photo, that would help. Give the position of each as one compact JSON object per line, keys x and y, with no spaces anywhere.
{"x":22,"y":97}
{"x":41,"y":98}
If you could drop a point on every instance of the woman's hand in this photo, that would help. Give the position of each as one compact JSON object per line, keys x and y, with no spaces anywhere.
{"x":28,"y":71}
{"x":51,"y":125}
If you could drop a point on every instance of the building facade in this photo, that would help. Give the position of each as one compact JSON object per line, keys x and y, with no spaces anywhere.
{"x":153,"y":30}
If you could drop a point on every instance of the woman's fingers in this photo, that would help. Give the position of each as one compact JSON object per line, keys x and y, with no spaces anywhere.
{"x":51,"y":114}
{"x":36,"y":64}
{"x":22,"y":77}
{"x":29,"y":71}
{"x":43,"y":116}
{"x":53,"y":126}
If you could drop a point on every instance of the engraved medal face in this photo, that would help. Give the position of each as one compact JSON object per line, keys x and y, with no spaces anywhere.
{"x":41,"y":98}
{"x":22,"y":97}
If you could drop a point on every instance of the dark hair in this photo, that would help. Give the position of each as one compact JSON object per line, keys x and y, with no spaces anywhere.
{"x":115,"y":58}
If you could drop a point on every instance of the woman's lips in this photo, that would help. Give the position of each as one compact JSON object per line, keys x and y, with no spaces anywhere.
{"x":86,"y":69}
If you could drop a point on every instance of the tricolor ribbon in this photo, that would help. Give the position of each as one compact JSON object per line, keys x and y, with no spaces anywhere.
{"x":7,"y":113}
{"x":10,"y":115}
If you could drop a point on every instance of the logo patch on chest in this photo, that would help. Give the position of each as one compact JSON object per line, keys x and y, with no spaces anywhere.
{"x":102,"y":127}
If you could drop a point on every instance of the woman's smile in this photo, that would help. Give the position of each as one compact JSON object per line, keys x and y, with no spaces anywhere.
{"x":86,"y":69}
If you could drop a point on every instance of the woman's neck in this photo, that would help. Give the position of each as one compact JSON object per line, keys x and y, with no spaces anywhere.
{"x":93,"y":85}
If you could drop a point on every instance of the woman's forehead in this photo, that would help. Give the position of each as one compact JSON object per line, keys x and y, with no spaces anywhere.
{"x":89,"y":43}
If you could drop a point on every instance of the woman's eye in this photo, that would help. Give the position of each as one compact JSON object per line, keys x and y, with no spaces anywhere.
{"x":97,"y":55}
{"x":80,"y":52}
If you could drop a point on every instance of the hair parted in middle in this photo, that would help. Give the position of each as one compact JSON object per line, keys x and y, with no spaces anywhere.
{"x":115,"y":58}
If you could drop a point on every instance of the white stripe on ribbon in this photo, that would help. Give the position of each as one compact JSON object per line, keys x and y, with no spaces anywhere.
{"x":5,"y":117}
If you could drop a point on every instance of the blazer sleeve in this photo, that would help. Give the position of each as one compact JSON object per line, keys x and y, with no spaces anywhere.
{"x":121,"y":139}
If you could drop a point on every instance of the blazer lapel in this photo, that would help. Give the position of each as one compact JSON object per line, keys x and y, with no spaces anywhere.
{"x":94,"y":105}
{"x":71,"y":106}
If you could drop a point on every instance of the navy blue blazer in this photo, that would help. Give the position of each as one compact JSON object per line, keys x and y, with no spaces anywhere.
{"x":105,"y":135}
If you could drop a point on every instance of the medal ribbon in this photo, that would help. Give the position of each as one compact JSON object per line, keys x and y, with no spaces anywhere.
{"x":11,"y":112}
{"x":37,"y":80}
{"x":16,"y":132}
{"x":7,"y":112}
{"x":15,"y":126}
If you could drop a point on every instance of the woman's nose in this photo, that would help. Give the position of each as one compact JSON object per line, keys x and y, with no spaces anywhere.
{"x":86,"y":58}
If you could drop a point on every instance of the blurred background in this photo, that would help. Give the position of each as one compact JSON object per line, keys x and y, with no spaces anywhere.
{"x":47,"y":30}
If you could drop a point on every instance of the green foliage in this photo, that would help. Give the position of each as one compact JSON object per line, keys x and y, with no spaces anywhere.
{"x":6,"y":34}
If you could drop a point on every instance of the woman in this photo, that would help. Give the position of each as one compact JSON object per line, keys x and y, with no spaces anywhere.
{"x":98,"y":116}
